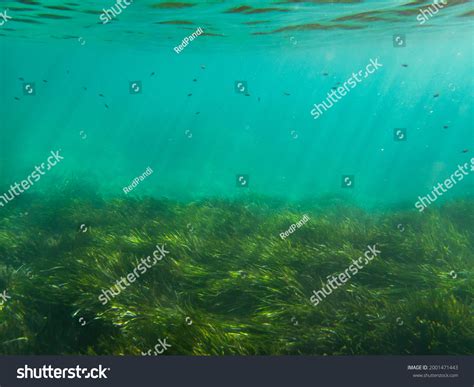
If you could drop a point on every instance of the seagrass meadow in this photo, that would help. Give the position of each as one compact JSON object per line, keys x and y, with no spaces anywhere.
{"x":230,"y":285}
{"x":265,"y":155}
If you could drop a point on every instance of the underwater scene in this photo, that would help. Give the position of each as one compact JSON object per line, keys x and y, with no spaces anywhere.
{"x":227,"y":177}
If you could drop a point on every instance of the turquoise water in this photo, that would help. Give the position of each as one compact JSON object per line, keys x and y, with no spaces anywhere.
{"x":198,"y":145}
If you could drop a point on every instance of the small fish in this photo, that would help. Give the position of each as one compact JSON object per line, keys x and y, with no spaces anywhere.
{"x":258,"y":99}
{"x":436,"y":95}
{"x":107,"y":106}
{"x":338,"y":83}
{"x":325,"y":74}
{"x":334,"y":88}
{"x":101,"y":95}
{"x":247,"y":94}
{"x":153,"y":73}
{"x":203,"y":67}
{"x":17,"y":98}
{"x":465,"y":150}
{"x":21,"y":79}
{"x":404,"y":65}
{"x":45,"y":81}
{"x":445,"y":127}
{"x":85,"y":88}
{"x":286,"y":93}
{"x":190,"y":94}
{"x":194,"y":80}
{"x":198,"y":112}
